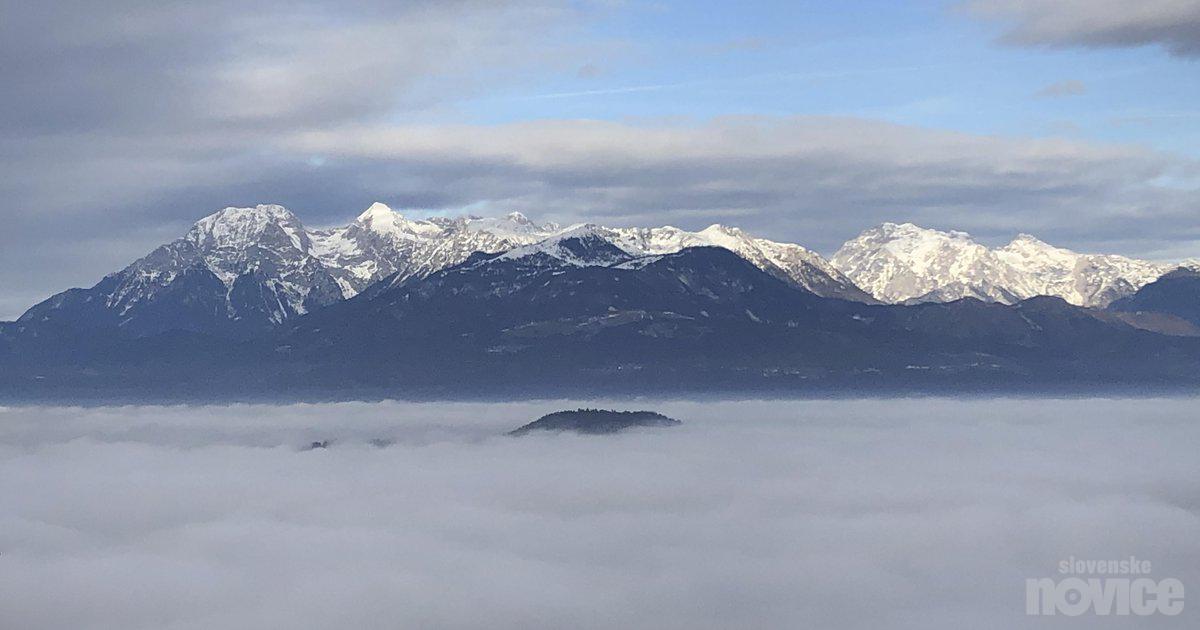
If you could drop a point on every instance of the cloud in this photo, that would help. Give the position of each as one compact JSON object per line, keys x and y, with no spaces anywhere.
{"x":1172,"y":24}
{"x":814,"y":180}
{"x":1060,"y":89}
{"x":868,"y":514}
{"x":809,"y":179}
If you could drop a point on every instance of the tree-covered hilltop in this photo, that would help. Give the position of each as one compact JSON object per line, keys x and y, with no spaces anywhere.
{"x":596,"y":421}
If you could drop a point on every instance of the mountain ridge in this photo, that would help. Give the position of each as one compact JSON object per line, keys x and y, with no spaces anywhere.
{"x":905,"y":263}
{"x":587,"y":318}
{"x":240,"y":271}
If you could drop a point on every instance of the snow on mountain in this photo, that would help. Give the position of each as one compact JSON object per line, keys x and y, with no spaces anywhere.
{"x":900,"y":263}
{"x":261,"y":256}
{"x":789,"y":262}
{"x":583,"y":245}
{"x":245,"y":268}
{"x":260,"y":266}
{"x":264,"y":252}
{"x":381,"y":243}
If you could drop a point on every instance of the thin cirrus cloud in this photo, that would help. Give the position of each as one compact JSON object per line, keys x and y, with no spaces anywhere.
{"x":1172,"y":24}
{"x":1059,"y":89}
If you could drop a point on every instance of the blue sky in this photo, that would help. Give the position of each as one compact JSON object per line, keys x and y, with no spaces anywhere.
{"x":929,"y":64}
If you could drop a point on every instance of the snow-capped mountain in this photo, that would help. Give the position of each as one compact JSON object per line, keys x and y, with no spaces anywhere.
{"x":251,"y":268}
{"x":382,"y":243}
{"x":246,"y":268}
{"x":264,"y":252}
{"x":791,"y":263}
{"x":578,"y":246}
{"x":899,"y":263}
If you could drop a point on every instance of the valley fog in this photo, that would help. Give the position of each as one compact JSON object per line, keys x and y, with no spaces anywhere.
{"x":911,"y":513}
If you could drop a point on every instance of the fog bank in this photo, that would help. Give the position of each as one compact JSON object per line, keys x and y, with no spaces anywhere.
{"x":922,"y":513}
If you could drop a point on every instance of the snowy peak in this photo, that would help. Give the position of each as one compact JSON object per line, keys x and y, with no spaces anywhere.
{"x":906,"y":263}
{"x":584,"y":245}
{"x":241,"y":228}
{"x":730,"y":238}
{"x":513,"y":225}
{"x":789,"y":262}
{"x":381,"y":243}
{"x":717,"y":230}
{"x":1032,"y":248}
{"x":377,"y":212}
{"x":381,"y":220}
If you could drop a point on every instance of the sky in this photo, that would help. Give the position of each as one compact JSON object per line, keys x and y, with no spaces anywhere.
{"x":808,"y":122}
{"x":751,"y":514}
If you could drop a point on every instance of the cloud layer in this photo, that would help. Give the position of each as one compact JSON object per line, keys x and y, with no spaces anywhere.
{"x":816,"y":180}
{"x":1173,"y":24}
{"x":898,"y":514}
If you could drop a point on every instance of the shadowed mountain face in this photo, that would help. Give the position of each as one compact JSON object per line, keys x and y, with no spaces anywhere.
{"x":577,"y":315}
{"x":1176,"y":294}
{"x":704,"y":306}
{"x":595,"y":422}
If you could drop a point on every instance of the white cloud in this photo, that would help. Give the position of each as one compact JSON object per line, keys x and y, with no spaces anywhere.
{"x":869,"y":514}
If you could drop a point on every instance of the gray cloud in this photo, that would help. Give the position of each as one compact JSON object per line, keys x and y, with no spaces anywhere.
{"x":1173,"y":24}
{"x":183,"y":67}
{"x":868,"y":514}
{"x":815,"y":180}
{"x":1069,"y":87}
{"x":812,"y":180}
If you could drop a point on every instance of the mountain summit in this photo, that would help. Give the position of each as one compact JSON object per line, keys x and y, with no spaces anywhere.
{"x":905,"y":263}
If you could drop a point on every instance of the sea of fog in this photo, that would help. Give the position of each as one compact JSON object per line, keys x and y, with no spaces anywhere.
{"x":913,"y":513}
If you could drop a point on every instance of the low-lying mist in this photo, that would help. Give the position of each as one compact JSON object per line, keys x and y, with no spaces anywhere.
{"x":916,"y":513}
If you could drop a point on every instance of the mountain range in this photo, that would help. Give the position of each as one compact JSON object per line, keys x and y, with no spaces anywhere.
{"x":249,"y":302}
{"x":245,"y":270}
{"x":904,"y":263}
